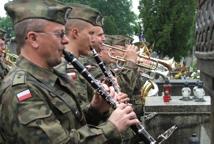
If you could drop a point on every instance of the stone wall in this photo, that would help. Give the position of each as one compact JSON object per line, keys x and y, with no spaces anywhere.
{"x":189,"y":116}
{"x":205,"y":49}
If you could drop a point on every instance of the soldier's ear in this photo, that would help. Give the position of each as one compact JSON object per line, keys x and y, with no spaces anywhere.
{"x":32,"y":38}
{"x":74,"y":32}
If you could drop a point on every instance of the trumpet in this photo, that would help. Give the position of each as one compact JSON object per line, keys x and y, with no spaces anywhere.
{"x":147,"y":63}
{"x":162,"y":67}
{"x":118,"y":57}
{"x":169,"y":64}
{"x":139,"y":129}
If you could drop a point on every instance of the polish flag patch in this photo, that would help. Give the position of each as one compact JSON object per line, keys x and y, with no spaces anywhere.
{"x":24,"y":95}
{"x":72,"y":75}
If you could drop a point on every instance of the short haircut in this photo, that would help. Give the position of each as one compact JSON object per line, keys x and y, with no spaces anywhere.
{"x":25,"y":26}
{"x":71,"y":23}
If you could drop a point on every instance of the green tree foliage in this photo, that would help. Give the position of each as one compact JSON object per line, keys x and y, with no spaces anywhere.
{"x":170,"y":25}
{"x":119,"y":19}
{"x":110,"y":25}
{"x":6,"y":24}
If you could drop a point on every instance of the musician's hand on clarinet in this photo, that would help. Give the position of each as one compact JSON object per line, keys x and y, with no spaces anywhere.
{"x":99,"y":103}
{"x":123,"y":117}
{"x":122,"y":97}
{"x":116,"y":81}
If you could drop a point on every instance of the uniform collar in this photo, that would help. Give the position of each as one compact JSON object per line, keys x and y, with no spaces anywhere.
{"x":43,"y":74}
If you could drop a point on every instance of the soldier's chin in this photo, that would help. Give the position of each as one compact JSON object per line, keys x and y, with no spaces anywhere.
{"x":96,"y":47}
{"x":98,"y":50}
{"x":55,"y":62}
{"x":87,"y":53}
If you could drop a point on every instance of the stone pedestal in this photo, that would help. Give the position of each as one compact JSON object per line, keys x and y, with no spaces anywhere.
{"x":189,"y":116}
{"x":177,"y":85}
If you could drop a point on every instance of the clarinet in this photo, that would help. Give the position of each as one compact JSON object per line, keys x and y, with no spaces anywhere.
{"x":139,"y":128}
{"x":108,"y":74}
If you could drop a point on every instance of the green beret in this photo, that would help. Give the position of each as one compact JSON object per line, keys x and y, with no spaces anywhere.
{"x":86,"y":13}
{"x":51,"y":10}
{"x":2,"y":34}
{"x":118,"y":40}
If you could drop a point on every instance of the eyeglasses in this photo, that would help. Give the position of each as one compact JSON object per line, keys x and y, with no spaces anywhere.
{"x":58,"y":34}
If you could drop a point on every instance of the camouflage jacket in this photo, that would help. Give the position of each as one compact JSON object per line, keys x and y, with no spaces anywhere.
{"x":40,"y":106}
{"x":129,"y":80}
{"x":83,"y":89}
{"x":3,"y":70}
{"x":130,"y":83}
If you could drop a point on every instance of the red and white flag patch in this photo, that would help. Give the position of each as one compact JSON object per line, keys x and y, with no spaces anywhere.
{"x":72,"y":75}
{"x":24,"y":95}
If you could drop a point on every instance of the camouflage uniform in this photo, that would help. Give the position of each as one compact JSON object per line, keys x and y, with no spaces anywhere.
{"x":3,"y":67}
{"x":3,"y":70}
{"x":38,"y":105}
{"x":130,"y":82}
{"x":50,"y":115}
{"x":90,"y":63}
{"x":83,"y":89}
{"x":86,"y":15}
{"x":129,"y":78}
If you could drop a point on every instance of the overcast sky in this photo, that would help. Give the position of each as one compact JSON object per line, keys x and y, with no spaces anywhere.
{"x":3,"y":13}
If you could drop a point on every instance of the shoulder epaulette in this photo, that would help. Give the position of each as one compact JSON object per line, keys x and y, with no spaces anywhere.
{"x":19,"y":78}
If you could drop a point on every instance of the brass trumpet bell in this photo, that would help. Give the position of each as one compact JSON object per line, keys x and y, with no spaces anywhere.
{"x":145,"y":62}
{"x":169,"y":64}
{"x":162,"y":67}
